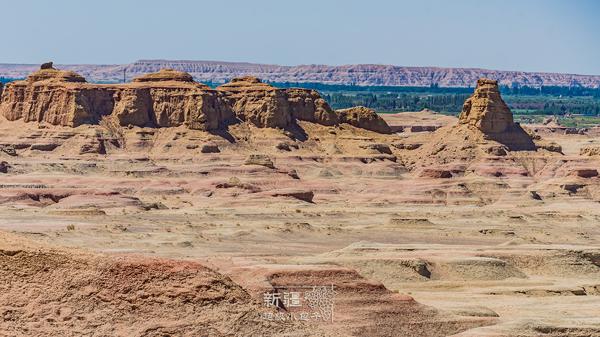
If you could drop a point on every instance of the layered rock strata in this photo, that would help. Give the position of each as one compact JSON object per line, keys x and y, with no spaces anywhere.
{"x":486,"y":112}
{"x":364,"y":118}
{"x":168,"y":98}
{"x":266,"y":106}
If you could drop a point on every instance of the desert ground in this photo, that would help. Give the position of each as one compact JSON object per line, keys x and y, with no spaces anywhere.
{"x":425,"y":231}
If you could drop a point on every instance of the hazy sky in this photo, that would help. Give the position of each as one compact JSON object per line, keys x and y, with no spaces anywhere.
{"x":529,"y":35}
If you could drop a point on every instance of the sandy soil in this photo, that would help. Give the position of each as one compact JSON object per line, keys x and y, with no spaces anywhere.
{"x":505,"y":246}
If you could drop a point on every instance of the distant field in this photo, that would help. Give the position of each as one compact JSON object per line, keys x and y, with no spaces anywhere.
{"x":450,"y":100}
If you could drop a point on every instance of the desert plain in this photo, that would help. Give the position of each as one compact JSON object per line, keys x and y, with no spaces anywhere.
{"x":424,"y":224}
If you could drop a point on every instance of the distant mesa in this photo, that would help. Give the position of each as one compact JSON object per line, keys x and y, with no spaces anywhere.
{"x":170,"y":98}
{"x":353,"y":74}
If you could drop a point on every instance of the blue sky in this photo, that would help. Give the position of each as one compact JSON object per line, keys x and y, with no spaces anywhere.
{"x":528,"y":35}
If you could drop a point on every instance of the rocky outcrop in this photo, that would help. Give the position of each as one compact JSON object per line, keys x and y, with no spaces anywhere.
{"x":260,"y":160}
{"x":485,"y":129}
{"x":266,"y":106}
{"x":300,"y":194}
{"x":165,"y":75}
{"x":308,"y":105}
{"x":258,"y":103}
{"x":47,"y":65}
{"x":486,"y":111}
{"x":169,"y":98}
{"x":365,"y":118}
{"x":56,"y":97}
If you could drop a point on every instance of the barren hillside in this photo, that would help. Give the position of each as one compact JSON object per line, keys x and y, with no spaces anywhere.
{"x":358,"y":74}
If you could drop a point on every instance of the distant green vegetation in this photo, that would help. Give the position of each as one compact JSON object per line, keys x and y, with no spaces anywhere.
{"x":452,"y":103}
{"x":521,"y":99}
{"x":398,"y":102}
{"x":5,"y":80}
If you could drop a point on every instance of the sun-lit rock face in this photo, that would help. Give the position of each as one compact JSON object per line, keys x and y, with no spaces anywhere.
{"x":165,"y":75}
{"x":266,"y":106}
{"x":486,"y":110}
{"x":164,"y":99}
{"x":364,"y":118}
{"x":55,"y":96}
{"x":51,"y":74}
{"x":169,"y":98}
{"x":258,"y":103}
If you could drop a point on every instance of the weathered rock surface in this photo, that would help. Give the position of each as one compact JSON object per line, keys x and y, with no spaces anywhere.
{"x":169,"y":98}
{"x":47,"y":65}
{"x":377,"y":147}
{"x":365,"y":118}
{"x":79,"y":293}
{"x":590,"y":150}
{"x":56,"y":97}
{"x":165,"y":75}
{"x":260,"y":160}
{"x":210,"y":148}
{"x":484,"y":128}
{"x":266,"y":106}
{"x":258,"y":103}
{"x":486,"y":110}
{"x":304,"y":195}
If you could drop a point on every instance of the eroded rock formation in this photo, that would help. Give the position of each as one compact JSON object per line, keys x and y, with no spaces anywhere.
{"x":486,"y":110}
{"x":170,"y":98}
{"x":266,"y":106}
{"x":364,"y":118}
{"x":57,"y":97}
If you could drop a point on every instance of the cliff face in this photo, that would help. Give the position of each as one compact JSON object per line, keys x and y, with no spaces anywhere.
{"x":167,"y":98}
{"x":308,"y":105}
{"x":56,"y":97}
{"x":266,"y":106}
{"x":170,"y":98}
{"x":486,"y":110}
{"x":257,"y":102}
{"x":365,"y":117}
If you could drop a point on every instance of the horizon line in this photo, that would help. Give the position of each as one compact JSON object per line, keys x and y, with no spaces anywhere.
{"x":297,"y":65}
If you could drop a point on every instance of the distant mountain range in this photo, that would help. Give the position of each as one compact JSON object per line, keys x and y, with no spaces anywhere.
{"x":359,"y":74}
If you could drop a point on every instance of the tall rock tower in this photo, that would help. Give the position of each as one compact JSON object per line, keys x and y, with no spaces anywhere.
{"x":486,"y":110}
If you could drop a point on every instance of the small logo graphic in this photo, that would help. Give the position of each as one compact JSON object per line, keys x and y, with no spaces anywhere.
{"x":300,"y":303}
